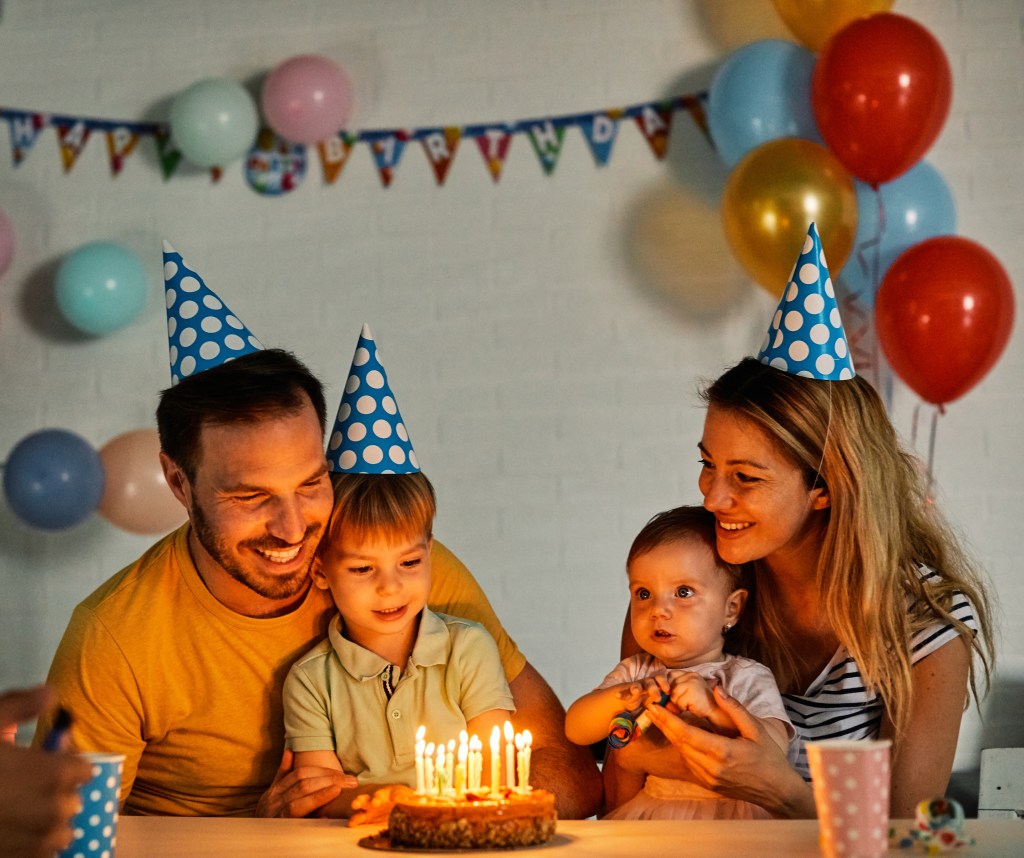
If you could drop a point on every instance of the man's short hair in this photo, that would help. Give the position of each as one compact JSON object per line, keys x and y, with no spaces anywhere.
{"x":268,"y":383}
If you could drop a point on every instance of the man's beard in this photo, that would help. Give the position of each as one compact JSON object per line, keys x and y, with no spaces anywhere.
{"x":268,"y":586}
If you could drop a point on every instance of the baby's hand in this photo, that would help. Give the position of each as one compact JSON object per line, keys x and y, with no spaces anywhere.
{"x":691,"y":693}
{"x":374,"y":809}
{"x":643,"y":691}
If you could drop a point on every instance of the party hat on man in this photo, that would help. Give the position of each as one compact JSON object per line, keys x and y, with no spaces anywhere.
{"x":806,"y":336}
{"x":202,"y":332}
{"x":369,"y":436}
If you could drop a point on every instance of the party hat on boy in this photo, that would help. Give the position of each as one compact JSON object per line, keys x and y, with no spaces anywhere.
{"x":202,"y":332}
{"x":806,"y":336}
{"x":369,"y":436}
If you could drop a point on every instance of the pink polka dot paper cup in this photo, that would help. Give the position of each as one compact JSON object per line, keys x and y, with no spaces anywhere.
{"x":851,"y":793}
{"x":95,"y":825}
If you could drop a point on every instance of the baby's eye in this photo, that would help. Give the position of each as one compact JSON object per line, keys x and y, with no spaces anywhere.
{"x":642,"y":593}
{"x":684,"y":592}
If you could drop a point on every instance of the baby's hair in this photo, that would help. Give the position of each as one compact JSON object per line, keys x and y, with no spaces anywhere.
{"x":678,"y":525}
{"x":394,"y":506}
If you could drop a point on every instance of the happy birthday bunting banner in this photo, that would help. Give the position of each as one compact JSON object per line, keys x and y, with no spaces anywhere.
{"x":655,"y":122}
{"x":121,"y":142}
{"x":440,"y":143}
{"x":599,"y":130}
{"x":494,"y":142}
{"x":24,"y":130}
{"x":72,"y":137}
{"x":334,"y":152}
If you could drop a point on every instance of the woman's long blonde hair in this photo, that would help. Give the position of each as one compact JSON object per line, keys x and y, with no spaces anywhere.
{"x":881,"y":526}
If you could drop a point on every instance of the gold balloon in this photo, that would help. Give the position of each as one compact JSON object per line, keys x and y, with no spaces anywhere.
{"x":814,"y":22}
{"x":735,"y":23}
{"x":772,"y":196}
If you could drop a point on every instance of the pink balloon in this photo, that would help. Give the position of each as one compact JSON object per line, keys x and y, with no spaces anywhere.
{"x":136,"y":496}
{"x":6,"y":242}
{"x":306,"y":99}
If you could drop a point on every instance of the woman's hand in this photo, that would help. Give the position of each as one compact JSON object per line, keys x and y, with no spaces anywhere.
{"x":748,"y":766}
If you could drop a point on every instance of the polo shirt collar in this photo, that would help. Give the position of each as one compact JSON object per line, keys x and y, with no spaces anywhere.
{"x":431,"y":647}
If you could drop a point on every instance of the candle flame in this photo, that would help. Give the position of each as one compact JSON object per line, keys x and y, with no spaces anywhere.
{"x":508,"y":731}
{"x":421,"y":733}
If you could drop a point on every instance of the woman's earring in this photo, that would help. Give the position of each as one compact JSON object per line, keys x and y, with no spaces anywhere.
{"x":726,"y":627}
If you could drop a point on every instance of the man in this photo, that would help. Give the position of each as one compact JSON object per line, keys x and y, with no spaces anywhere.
{"x":178,"y":660}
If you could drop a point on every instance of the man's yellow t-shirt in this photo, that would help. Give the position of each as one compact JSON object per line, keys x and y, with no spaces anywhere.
{"x":154,"y":667}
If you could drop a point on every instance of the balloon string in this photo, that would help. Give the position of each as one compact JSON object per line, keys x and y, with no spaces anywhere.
{"x":933,"y":432}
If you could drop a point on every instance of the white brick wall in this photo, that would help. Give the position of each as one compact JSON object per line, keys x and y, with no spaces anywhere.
{"x":547,"y":383}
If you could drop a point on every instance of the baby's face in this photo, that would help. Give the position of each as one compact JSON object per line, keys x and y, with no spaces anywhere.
{"x":379,"y":585}
{"x":679,"y":602}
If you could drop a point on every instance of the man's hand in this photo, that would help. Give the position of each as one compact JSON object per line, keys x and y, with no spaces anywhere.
{"x":302,"y":791}
{"x":38,"y":789}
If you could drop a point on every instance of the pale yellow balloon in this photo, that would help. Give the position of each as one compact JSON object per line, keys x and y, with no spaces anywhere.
{"x":814,"y":22}
{"x":136,"y":496}
{"x":678,"y":252}
{"x":771,"y":197}
{"x":735,"y":23}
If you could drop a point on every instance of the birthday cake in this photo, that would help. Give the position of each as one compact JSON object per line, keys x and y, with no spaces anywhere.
{"x":473,"y":821}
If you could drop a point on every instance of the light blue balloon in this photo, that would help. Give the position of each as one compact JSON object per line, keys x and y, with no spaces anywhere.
{"x":761,"y":92}
{"x":53,"y":479}
{"x":214,"y":122}
{"x":914,"y":206}
{"x":100,"y":287}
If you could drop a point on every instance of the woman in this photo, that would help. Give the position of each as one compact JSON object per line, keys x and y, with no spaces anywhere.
{"x":807,"y":480}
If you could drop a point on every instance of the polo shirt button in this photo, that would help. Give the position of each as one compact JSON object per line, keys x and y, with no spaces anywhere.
{"x":396,"y":714}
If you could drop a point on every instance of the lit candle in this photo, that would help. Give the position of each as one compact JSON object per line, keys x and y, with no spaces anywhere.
{"x":442,"y":770}
{"x":495,"y":759}
{"x":527,"y":750}
{"x":510,"y":772}
{"x":421,"y":786}
{"x":460,"y":770}
{"x":476,"y":762}
{"x":520,"y":763}
{"x":450,"y":771}
{"x":428,"y":769}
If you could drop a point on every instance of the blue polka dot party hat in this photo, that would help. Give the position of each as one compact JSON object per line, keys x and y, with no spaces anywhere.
{"x":369,"y":436}
{"x":202,"y":332}
{"x":806,"y":335}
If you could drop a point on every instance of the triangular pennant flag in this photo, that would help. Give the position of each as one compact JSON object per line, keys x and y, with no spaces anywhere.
{"x":695,"y":107}
{"x":121,"y":142}
{"x":202,"y":332}
{"x":334,"y":152}
{"x":72,"y":137}
{"x":655,"y":122}
{"x":369,"y":436}
{"x":493,"y":142}
{"x":806,"y":335}
{"x":547,"y":139}
{"x":24,"y":129}
{"x":167,"y":154}
{"x":440,"y":144}
{"x":386,"y":148}
{"x":599,"y":130}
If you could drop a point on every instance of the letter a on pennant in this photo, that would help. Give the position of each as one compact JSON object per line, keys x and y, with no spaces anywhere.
{"x":655,"y":121}
{"x":72,"y":139}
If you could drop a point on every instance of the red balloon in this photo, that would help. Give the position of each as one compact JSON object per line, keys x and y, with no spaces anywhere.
{"x":943,"y":314}
{"x":880,"y":91}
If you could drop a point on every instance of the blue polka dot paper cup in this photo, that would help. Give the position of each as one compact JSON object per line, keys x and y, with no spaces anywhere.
{"x":95,"y":825}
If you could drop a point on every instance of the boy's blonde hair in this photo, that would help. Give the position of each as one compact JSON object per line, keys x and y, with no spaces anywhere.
{"x":393,"y":506}
{"x":679,"y":525}
{"x":881,"y":525}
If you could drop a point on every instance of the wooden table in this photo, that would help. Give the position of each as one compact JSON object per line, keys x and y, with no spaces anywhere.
{"x":176,"y":837}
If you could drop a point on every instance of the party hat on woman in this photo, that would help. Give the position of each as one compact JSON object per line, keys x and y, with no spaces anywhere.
{"x":202,"y":332}
{"x":369,"y":436}
{"x":806,"y":336}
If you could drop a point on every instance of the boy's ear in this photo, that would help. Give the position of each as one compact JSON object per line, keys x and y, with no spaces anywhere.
{"x":734,"y":606}
{"x":316,"y":572}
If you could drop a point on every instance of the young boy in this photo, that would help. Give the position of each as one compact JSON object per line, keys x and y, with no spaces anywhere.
{"x":389,"y":663}
{"x":684,"y":599}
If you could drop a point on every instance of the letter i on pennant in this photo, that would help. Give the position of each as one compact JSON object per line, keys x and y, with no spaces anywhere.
{"x":493,"y":142}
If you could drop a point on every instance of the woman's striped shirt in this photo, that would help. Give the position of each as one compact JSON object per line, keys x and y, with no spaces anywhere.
{"x":837,"y":706}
